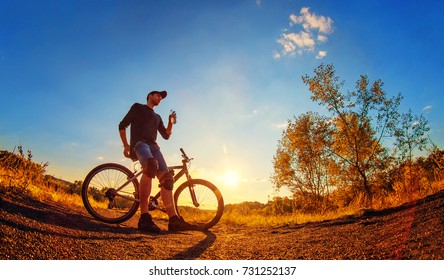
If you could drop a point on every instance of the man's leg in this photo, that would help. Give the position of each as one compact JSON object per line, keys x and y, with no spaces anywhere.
{"x":149,"y":166}
{"x":166,"y":191}
{"x":166,"y":183}
{"x":167,"y":198}
{"x":144,"y":192}
{"x":146,"y":222}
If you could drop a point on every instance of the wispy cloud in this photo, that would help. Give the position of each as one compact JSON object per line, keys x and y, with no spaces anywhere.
{"x":281,"y":125}
{"x":321,"y":54}
{"x":255,"y":180}
{"x":251,"y":114}
{"x":311,"y":21}
{"x":314,"y":31}
{"x":276,"y":55}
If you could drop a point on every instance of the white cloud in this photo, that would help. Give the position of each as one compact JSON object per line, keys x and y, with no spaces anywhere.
{"x":322,"y":38}
{"x":294,"y":19}
{"x":287,"y":44}
{"x":255,"y":180}
{"x":276,"y":55}
{"x":427,"y":108}
{"x":311,"y":21}
{"x":314,"y":31}
{"x":251,"y":114}
{"x":282,"y":125}
{"x":303,"y":40}
{"x":321,"y":54}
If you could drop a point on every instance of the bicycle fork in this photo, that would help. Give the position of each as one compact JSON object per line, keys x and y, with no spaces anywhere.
{"x":193,"y":196}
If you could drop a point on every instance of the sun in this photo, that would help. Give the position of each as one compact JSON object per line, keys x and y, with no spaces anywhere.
{"x":231,"y":179}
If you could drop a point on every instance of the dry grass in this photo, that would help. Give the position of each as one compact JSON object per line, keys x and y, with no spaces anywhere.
{"x":277,"y":220}
{"x":43,"y":194}
{"x":232,"y":217}
{"x":21,"y":174}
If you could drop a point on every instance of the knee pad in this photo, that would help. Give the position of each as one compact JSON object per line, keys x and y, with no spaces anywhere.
{"x":150,"y":167}
{"x":167,"y":181}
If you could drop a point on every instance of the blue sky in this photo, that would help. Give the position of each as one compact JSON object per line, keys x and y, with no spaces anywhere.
{"x":70,"y":70}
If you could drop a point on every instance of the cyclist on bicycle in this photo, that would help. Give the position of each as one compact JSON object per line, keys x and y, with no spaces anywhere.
{"x":145,"y":124}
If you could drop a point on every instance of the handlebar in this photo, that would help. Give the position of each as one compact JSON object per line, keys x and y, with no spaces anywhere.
{"x":184,"y":155}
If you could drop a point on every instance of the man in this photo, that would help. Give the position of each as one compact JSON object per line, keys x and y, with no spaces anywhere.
{"x":145,"y":124}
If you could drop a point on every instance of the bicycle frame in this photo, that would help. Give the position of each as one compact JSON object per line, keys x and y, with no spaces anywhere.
{"x":153,"y":199}
{"x":194,"y":200}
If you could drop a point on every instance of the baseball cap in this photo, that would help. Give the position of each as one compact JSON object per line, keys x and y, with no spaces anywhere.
{"x":162,"y":93}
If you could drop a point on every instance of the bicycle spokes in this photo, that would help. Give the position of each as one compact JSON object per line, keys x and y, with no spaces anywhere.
{"x":200,"y":202}
{"x":108,"y":195}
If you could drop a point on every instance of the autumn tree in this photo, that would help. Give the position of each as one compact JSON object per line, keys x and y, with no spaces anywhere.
{"x":303,"y":162}
{"x":363,"y":118}
{"x":411,"y":134}
{"x":348,"y":150}
{"x":434,"y":164}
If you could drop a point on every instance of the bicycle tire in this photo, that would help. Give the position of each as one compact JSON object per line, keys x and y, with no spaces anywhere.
{"x":211,"y":203}
{"x":107,"y":209}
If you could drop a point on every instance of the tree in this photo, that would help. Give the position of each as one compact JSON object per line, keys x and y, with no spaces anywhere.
{"x":302,"y":161}
{"x":363,"y":118}
{"x":435,"y":163}
{"x":411,"y":134}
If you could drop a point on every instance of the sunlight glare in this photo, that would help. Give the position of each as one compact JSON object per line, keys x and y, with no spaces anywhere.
{"x":231,"y":179}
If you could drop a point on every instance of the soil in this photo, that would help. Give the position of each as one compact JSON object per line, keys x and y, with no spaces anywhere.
{"x":31,"y":229}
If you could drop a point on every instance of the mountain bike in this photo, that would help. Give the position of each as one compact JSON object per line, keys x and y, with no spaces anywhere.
{"x":110,"y":193}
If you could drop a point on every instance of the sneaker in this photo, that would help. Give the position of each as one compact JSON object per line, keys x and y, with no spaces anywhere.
{"x":146,"y":224}
{"x":178,"y":224}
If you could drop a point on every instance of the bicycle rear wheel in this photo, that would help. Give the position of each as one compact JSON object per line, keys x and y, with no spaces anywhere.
{"x":100,"y":195}
{"x":207,"y":207}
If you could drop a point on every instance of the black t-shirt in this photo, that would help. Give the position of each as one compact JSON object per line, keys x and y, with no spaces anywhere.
{"x":144,"y":125}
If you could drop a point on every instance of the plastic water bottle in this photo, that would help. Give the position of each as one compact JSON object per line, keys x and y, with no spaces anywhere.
{"x":174,"y":118}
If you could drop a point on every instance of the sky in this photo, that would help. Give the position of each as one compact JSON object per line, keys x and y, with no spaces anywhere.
{"x":70,"y":70}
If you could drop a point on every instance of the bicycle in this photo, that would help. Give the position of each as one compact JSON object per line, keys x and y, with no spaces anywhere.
{"x":110,"y":194}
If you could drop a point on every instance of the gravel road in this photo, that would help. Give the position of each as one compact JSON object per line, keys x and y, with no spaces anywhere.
{"x":31,"y":229}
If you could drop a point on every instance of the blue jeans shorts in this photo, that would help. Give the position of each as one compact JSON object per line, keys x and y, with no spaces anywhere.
{"x":144,"y":151}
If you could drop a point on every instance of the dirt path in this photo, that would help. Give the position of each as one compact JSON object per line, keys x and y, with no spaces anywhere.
{"x":30,"y":229}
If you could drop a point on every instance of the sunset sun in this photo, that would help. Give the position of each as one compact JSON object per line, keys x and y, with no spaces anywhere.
{"x":231,"y":179}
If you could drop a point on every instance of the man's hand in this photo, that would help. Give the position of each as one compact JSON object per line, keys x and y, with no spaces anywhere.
{"x":172,"y":117}
{"x":126,"y":151}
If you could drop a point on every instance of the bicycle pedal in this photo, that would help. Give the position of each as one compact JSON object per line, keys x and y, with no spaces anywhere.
{"x":152,"y":205}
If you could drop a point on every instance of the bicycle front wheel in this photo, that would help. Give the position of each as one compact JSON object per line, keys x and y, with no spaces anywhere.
{"x":199,"y":202}
{"x":109,"y":193}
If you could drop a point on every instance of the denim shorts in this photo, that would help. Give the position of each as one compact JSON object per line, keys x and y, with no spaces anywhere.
{"x":144,"y":151}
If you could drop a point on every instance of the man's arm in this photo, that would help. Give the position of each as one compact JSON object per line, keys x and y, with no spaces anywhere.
{"x":167,"y":131}
{"x":122,"y":130}
{"x":126,"y":146}
{"x":171,"y":121}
